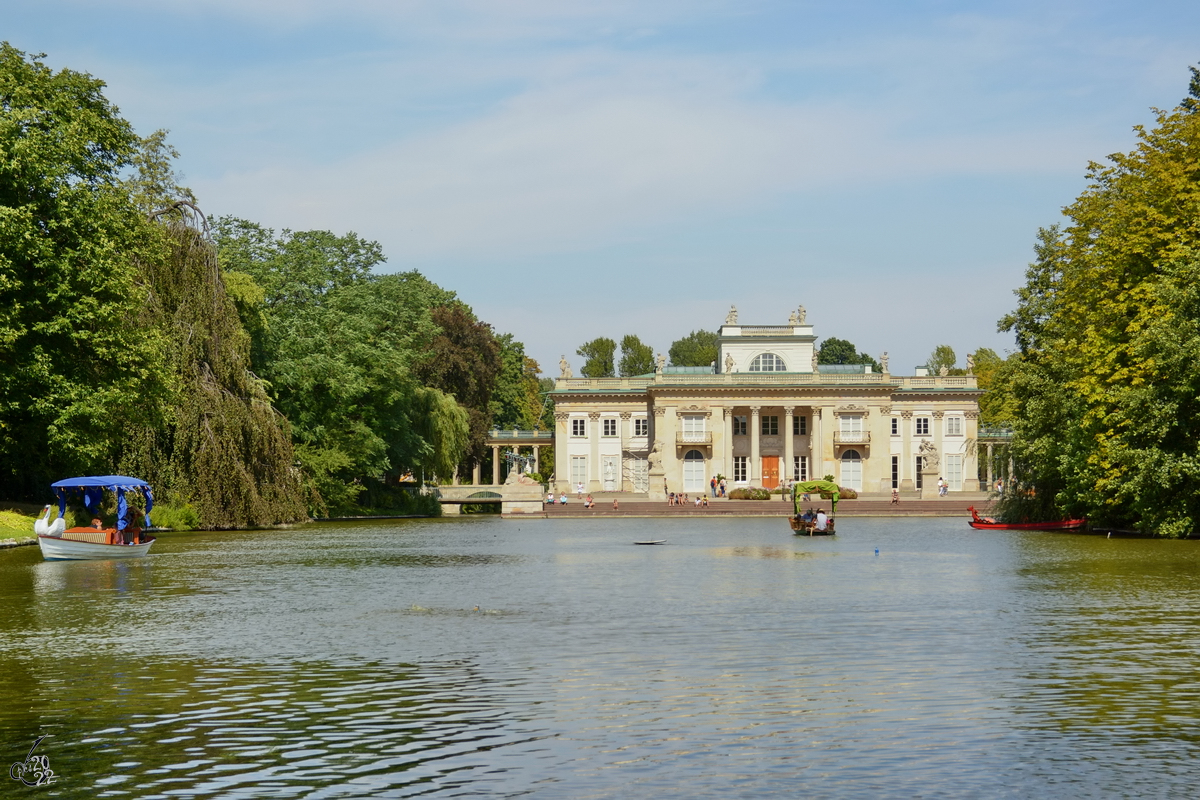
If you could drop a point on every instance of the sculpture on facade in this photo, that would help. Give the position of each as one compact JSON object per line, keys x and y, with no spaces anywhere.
{"x":814,"y":361}
{"x":801,"y":316}
{"x":659,"y":363}
{"x":970,"y":363}
{"x":944,"y":371}
{"x":883,"y":362}
{"x":929,"y":456}
{"x":731,"y":317}
{"x":728,"y":363}
{"x":564,"y":367}
{"x":655,"y":459}
{"x":793,"y":319}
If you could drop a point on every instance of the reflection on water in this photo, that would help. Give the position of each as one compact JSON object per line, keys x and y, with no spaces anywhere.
{"x":555,"y":659}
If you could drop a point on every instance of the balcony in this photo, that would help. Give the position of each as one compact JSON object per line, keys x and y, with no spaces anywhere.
{"x":851,"y":437}
{"x":693,"y":438}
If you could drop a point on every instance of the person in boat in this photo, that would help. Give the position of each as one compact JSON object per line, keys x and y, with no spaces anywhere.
{"x":97,"y":524}
{"x":822,"y":520}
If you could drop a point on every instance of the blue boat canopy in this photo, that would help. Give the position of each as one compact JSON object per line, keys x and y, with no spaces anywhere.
{"x":93,"y":490}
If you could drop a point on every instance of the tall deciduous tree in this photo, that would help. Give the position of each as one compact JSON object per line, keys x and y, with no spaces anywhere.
{"x":1108,"y":327}
{"x":839,"y":351}
{"x":599,"y":355}
{"x":942,"y":357}
{"x":697,"y":349}
{"x":81,"y":362}
{"x":636,"y":358}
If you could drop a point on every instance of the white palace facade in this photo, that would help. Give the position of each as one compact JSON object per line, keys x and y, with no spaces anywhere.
{"x":763,"y":413}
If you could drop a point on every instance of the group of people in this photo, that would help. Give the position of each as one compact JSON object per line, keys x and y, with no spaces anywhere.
{"x":588,"y":502}
{"x":681,"y":499}
{"x":942,"y":487}
{"x":818,"y":516}
{"x":716,"y":487}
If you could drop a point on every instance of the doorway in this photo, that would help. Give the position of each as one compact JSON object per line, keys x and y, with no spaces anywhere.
{"x":693,"y":471}
{"x":852,"y":470}
{"x":770,"y":472}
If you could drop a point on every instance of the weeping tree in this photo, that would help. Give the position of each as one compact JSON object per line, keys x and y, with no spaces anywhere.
{"x":224,"y":448}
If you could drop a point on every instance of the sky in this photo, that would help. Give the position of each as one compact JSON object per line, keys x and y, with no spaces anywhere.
{"x":607,"y":167}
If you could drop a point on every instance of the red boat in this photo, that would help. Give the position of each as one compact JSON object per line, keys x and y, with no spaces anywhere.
{"x":987,"y":523}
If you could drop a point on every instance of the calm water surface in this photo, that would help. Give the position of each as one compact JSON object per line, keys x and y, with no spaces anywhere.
{"x":555,"y":659}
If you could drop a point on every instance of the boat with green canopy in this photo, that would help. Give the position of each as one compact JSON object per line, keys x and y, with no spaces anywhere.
{"x":804,"y":521}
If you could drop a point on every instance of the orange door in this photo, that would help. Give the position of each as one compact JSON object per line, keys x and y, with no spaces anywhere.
{"x":770,"y":472}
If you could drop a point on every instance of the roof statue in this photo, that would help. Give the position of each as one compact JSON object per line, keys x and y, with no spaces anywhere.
{"x":801,"y":315}
{"x":814,"y":362}
{"x":565,"y":367}
{"x":659,"y":363}
{"x":728,"y":362}
{"x":793,"y":319}
{"x":883,"y":362}
{"x":731,"y":317}
{"x":970,"y":363}
{"x":944,"y":370}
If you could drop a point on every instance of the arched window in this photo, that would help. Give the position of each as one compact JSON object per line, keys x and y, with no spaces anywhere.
{"x":767,"y":362}
{"x":852,"y":470}
{"x":693,"y":471}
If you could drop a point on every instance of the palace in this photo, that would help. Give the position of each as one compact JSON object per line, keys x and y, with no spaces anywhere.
{"x":763,"y":413}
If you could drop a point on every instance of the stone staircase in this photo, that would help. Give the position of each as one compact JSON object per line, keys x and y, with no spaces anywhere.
{"x":953,"y":505}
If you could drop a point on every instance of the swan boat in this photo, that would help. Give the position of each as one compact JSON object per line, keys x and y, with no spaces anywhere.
{"x":60,"y":543}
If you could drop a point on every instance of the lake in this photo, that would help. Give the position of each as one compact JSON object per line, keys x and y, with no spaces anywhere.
{"x":479,"y":657}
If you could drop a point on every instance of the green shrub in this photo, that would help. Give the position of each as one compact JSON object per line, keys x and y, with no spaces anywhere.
{"x":750,"y":493}
{"x":176,"y":516}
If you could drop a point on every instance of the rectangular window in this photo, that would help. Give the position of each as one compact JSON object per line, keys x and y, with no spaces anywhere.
{"x":917,"y":472}
{"x":579,"y":427}
{"x":739,"y":469}
{"x":895,"y":469}
{"x":922,"y":426}
{"x":739,"y":426}
{"x":895,"y":426}
{"x":799,"y":468}
{"x":770,"y":426}
{"x":799,"y":425}
{"x":693,"y":427}
{"x":578,"y":471}
{"x":641,"y":427}
{"x":610,"y":427}
{"x":954,"y":471}
{"x":954,"y":426}
{"x":852,"y":428}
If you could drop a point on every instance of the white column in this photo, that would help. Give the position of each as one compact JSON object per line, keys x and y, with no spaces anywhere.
{"x":495,"y":464}
{"x":562,"y":460}
{"x":938,"y":427}
{"x":907,"y":479}
{"x":728,"y":446}
{"x":754,"y":471}
{"x":789,"y":446}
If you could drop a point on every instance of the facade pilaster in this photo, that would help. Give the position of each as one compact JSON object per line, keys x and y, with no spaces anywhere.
{"x":625,"y":483}
{"x":907,"y":470}
{"x":971,"y":458}
{"x":727,"y":447}
{"x":562,"y":459}
{"x":939,"y":427}
{"x":828,"y":466}
{"x":754,"y":469}
{"x":594,"y":484}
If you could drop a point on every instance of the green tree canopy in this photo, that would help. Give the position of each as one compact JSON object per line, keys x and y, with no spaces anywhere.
{"x":599,"y":355}
{"x":81,"y":362}
{"x":943,"y":357}
{"x":840,"y":351}
{"x":697,"y":349}
{"x":1105,"y":383}
{"x":636,"y":358}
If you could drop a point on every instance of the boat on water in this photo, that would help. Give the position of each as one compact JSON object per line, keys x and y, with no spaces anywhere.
{"x":805,"y":524}
{"x":987,"y":523}
{"x":124,"y":540}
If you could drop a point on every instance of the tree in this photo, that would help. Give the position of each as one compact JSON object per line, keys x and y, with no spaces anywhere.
{"x":636,"y":358}
{"x":697,"y":349}
{"x":81,"y":362}
{"x":840,"y":351}
{"x":1105,"y":382}
{"x":943,"y":357}
{"x":599,"y":355}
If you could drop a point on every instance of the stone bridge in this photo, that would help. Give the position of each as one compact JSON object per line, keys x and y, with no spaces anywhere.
{"x":521,"y":496}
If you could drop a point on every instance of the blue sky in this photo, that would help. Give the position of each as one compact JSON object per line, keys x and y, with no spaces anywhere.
{"x":578,"y":169}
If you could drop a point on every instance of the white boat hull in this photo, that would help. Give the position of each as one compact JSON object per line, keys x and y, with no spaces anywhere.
{"x":55,"y":549}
